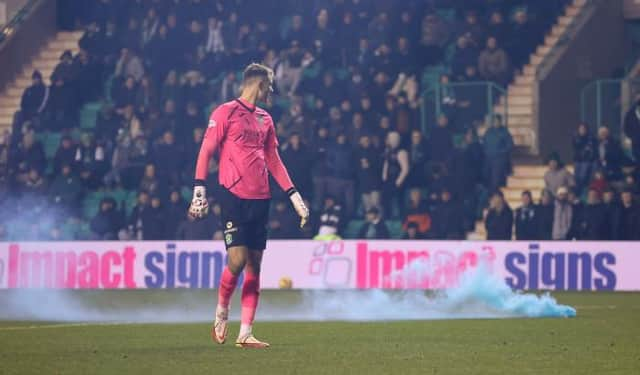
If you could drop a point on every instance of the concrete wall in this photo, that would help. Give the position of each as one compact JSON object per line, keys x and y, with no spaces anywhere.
{"x":595,"y":52}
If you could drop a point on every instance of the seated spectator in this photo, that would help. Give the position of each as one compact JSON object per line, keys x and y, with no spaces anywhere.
{"x":562,"y":214}
{"x":107,"y":222}
{"x":66,"y":191}
{"x":33,"y":184}
{"x":557,"y":175}
{"x":28,"y":154}
{"x":464,"y":56}
{"x":412,"y":232}
{"x":154,"y":224}
{"x":91,"y":156}
{"x":171,"y":88}
{"x":65,"y":70}
{"x":129,"y":65}
{"x":200,"y":229}
{"x":193,"y":88}
{"x":546,"y":211}
{"x":125,"y":94}
{"x":441,"y":141}
{"x":331,"y":220}
{"x":65,"y":154}
{"x":629,"y":218}
{"x":497,"y":27}
{"x":584,"y":156}
{"x":395,"y":170}
{"x":175,"y":212}
{"x":497,"y":145}
{"x":107,"y":124}
{"x":88,"y":82}
{"x":447,"y":218}
{"x":599,"y":183}
{"x":473,"y":29}
{"x":374,"y":227}
{"x":34,"y":98}
{"x":150,"y":182}
{"x":589,"y":221}
{"x":493,"y":63}
{"x":168,"y":158}
{"x":146,"y":95}
{"x":140,"y":220}
{"x":283,"y":223}
{"x":417,"y":213}
{"x":610,"y":155}
{"x":612,"y":210}
{"x":499,"y":219}
{"x":527,"y":220}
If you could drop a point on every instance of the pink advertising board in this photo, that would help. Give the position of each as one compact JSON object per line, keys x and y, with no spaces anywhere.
{"x":322,"y":265}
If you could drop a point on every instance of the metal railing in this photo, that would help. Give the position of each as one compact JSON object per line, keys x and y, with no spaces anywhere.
{"x":604,"y":102}
{"x":468,"y":102}
{"x":10,"y":27}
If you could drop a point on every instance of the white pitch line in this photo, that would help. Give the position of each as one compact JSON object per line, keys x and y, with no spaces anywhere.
{"x":62,"y":325}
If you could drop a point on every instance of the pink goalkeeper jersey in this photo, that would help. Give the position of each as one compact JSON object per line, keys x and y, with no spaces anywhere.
{"x":246,"y":137}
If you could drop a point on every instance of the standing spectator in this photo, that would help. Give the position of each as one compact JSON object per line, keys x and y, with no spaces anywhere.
{"x":447,"y":218}
{"x":417,"y":160}
{"x":499,"y":219}
{"x":395,"y":170}
{"x":464,"y":55}
{"x":140,"y":220}
{"x":612,"y":210}
{"x":589,"y":222}
{"x":520,"y":47}
{"x":379,"y":29}
{"x":341,"y":172}
{"x":320,"y":173}
{"x":65,"y":69}
{"x":107,"y":222}
{"x":417,"y":213}
{"x":368,"y":173}
{"x":297,"y":157}
{"x":34,"y":98}
{"x":497,"y":144}
{"x":175,"y":211}
{"x":441,"y":142}
{"x":283,"y":223}
{"x":154,"y":224}
{"x":331,"y":220}
{"x":546,"y":212}
{"x":610,"y":155}
{"x":632,"y":130}
{"x":629,"y":218}
{"x":493,"y":63}
{"x":557,"y":175}
{"x":562,"y":214}
{"x":374,"y":227}
{"x":193,"y":229}
{"x":527,"y":221}
{"x":150,"y":182}
{"x":584,"y":156}
{"x":59,"y":112}
{"x":168,"y":158}
{"x":434,"y":36}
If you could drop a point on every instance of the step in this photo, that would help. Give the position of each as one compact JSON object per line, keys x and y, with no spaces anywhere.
{"x":520,"y":130}
{"x":579,"y":3}
{"x":6,"y":119}
{"x":522,"y":140}
{"x":525,"y":183}
{"x":69,"y":35}
{"x":42,"y":64}
{"x":514,"y":196}
{"x":535,"y":60}
{"x":564,"y":20}
{"x":528,"y":70}
{"x":475,"y":237}
{"x":515,"y":120}
{"x":11,"y":101}
{"x":525,"y":80}
{"x":520,"y":89}
{"x":519,"y":100}
{"x":515,"y":109}
{"x":542,"y":50}
{"x":8,"y":111}
{"x":572,"y":11}
{"x":13,"y":91}
{"x":558,"y":29}
{"x":529,"y":171}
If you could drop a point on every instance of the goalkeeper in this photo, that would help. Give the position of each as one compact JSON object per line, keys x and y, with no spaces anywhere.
{"x":246,"y":139}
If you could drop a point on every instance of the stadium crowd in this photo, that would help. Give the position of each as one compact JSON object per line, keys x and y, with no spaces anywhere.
{"x":349,"y":74}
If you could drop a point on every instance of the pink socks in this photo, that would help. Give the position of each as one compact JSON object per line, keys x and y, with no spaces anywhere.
{"x":250,"y":295}
{"x":227,"y":285}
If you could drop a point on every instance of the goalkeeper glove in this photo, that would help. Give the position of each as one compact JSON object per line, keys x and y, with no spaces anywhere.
{"x":199,"y":206}
{"x":299,"y":206}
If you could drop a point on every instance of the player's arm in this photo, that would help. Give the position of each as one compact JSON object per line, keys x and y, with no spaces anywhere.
{"x":279,"y":172}
{"x":210,"y":142}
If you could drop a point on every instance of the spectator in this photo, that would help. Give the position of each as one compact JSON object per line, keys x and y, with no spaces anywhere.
{"x":146,"y":95}
{"x":319,"y":169}
{"x":497,"y":144}
{"x":584,"y":156}
{"x":464,"y":56}
{"x":150,"y":182}
{"x":34,"y":98}
{"x":527,"y":222}
{"x":447,"y":218}
{"x":412,"y":233}
{"x":379,"y":29}
{"x":557,"y":175}
{"x":107,"y":124}
{"x":589,"y":223}
{"x":417,"y":213}
{"x":90,"y":156}
{"x":192,"y":229}
{"x":140,"y":220}
{"x":282,"y":222}
{"x":610,"y":155}
{"x":126,"y":94}
{"x":154,"y":224}
{"x":441,"y":141}
{"x":374,"y":227}
{"x":168,"y":157}
{"x":129,"y":65}
{"x":433,"y":38}
{"x":497,"y":28}
{"x":499,"y":219}
{"x":330,"y":221}
{"x":171,"y":88}
{"x":611,"y":216}
{"x":562,"y":214}
{"x":472,"y":28}
{"x":520,"y":47}
{"x":395,"y":170}
{"x":629,"y":218}
{"x":632,"y":130}
{"x":33,"y":184}
{"x":341,"y":171}
{"x":107,"y":222}
{"x":493,"y":63}
{"x":417,"y":160}
{"x":65,"y":154}
{"x":66,"y":191}
{"x":29,"y":154}
{"x":60,"y":110}
{"x":65,"y":69}
{"x":368,"y":173}
{"x":546,"y":213}
{"x":297,"y":157}
{"x":599,"y":182}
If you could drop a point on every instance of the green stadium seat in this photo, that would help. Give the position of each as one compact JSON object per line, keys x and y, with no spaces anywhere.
{"x":89,"y":115}
{"x":353,"y":226}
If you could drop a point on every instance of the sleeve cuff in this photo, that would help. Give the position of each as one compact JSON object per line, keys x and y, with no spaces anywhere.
{"x":199,"y":183}
{"x":291,"y":191}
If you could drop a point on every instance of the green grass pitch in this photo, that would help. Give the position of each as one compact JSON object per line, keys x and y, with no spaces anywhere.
{"x":603,"y":339}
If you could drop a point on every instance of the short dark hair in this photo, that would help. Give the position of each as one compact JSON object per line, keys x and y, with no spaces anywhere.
{"x":255,"y":70}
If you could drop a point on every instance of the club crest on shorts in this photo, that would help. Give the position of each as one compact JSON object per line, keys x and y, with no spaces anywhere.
{"x":228,"y":238}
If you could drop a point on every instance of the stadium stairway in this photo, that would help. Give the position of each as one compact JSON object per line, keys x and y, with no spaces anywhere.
{"x":520,"y":95}
{"x":45,"y":62}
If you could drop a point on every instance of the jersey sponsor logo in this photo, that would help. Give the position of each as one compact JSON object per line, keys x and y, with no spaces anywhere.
{"x":212,"y":123}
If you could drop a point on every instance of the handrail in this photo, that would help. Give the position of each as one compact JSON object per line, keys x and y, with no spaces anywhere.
{"x":598,"y":84}
{"x":10,"y":27}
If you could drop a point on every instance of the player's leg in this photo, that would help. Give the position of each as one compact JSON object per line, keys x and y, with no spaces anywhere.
{"x":249,"y":301}
{"x":236,"y":260}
